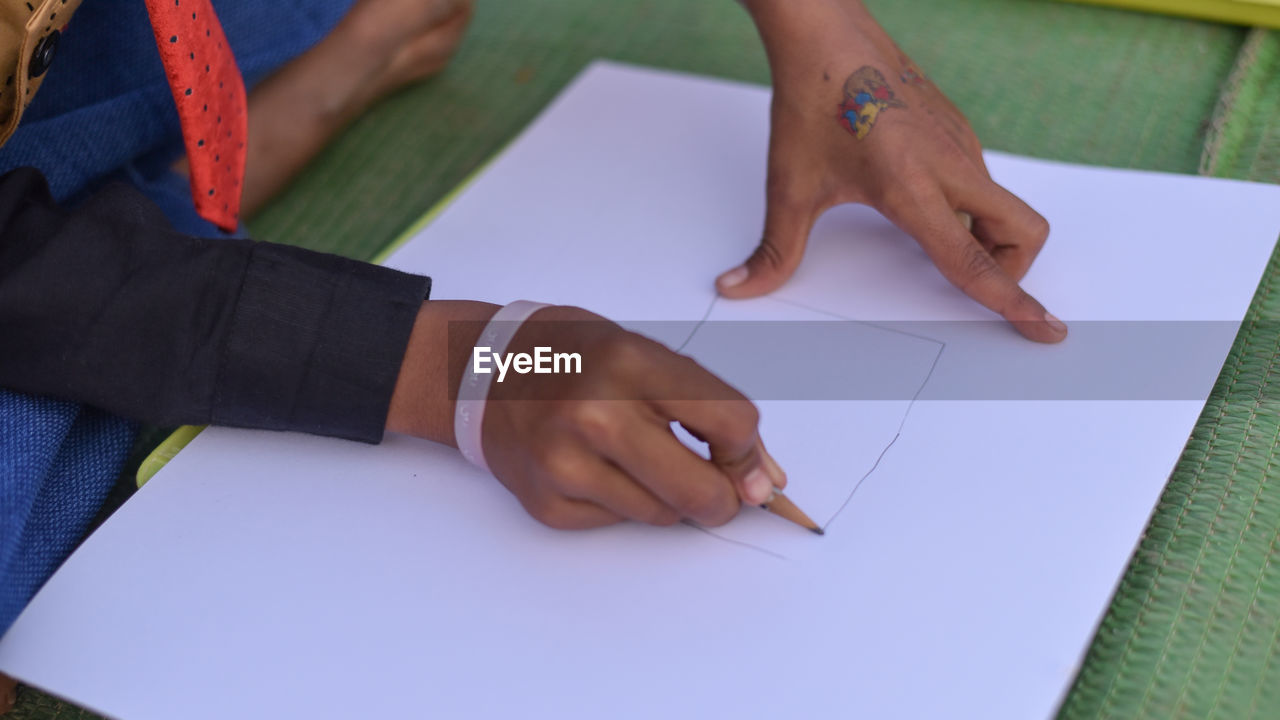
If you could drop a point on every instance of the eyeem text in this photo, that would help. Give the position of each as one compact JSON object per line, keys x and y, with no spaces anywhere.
{"x":542,"y":362}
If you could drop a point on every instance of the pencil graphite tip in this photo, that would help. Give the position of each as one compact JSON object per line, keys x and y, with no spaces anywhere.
{"x":818,"y":531}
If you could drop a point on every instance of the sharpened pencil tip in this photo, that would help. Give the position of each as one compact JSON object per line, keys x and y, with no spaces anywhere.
{"x":818,"y":531}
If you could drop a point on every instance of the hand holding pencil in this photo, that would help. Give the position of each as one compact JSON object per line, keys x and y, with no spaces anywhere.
{"x":595,"y":447}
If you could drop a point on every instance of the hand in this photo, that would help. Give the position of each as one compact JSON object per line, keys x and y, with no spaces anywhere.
{"x":594,"y":448}
{"x":380,"y":46}
{"x":410,"y":39}
{"x":855,"y":121}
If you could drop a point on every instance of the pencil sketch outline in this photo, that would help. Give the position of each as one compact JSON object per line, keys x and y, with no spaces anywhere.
{"x":942,"y":346}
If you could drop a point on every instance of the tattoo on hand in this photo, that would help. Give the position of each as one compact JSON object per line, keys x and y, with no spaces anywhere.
{"x":866,"y":95}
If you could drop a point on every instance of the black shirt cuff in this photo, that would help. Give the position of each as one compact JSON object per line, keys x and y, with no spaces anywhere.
{"x":315,"y":344}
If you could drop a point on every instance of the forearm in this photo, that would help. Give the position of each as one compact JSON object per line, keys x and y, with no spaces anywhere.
{"x":801,"y":36}
{"x":294,"y":113}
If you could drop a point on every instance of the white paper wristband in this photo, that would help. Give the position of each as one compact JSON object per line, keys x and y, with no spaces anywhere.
{"x":468,"y":414}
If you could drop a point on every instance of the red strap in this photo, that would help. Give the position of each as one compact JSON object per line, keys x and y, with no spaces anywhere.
{"x":209,"y":93}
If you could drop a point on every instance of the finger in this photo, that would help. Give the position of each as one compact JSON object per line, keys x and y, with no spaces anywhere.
{"x":775,"y":259}
{"x":775,"y":471}
{"x":673,"y":475}
{"x":728,"y":423}
{"x":963,"y":261}
{"x":1011,"y":231}
{"x":616,"y":489}
{"x":563,"y":513}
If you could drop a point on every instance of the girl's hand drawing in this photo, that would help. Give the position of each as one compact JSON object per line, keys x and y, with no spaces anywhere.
{"x":855,"y":121}
{"x":581,"y":450}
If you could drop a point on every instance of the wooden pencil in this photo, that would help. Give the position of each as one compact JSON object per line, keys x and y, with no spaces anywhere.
{"x":779,"y":505}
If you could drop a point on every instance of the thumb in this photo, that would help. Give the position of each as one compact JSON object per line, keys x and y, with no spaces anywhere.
{"x":755,"y":474}
{"x":786,"y":231}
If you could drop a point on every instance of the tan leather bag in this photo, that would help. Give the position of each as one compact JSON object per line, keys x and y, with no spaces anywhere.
{"x":29,"y":35}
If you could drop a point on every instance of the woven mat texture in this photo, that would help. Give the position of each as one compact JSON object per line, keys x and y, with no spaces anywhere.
{"x":1192,"y":631}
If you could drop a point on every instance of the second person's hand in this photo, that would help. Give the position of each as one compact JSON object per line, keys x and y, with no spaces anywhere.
{"x":855,"y":121}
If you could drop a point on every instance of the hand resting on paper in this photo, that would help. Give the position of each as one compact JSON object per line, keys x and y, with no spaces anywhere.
{"x":593,"y":448}
{"x":855,"y":121}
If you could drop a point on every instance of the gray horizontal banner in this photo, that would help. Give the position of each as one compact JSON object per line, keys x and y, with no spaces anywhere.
{"x":888,"y":361}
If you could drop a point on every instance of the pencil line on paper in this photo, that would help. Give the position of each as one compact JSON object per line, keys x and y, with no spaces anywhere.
{"x":868,"y":323}
{"x":698,"y":326}
{"x":739,"y":543}
{"x":942,"y":346}
{"x":901,"y":425}
{"x":861,"y":480}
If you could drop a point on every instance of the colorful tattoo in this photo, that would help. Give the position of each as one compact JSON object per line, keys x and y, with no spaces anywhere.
{"x":866,"y":95}
{"x":911,"y":73}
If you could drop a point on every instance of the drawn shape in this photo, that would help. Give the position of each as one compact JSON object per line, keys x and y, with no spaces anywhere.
{"x":850,"y":384}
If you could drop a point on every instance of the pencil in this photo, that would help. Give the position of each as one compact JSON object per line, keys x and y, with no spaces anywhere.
{"x":779,"y":505}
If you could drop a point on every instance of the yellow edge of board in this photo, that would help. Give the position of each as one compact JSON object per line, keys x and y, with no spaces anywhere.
{"x":183,"y":436}
{"x":1238,"y":12}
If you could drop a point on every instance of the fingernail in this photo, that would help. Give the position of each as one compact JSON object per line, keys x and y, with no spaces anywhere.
{"x":1053,"y":322}
{"x":757,"y":486}
{"x":776,"y":473}
{"x":734,"y":277}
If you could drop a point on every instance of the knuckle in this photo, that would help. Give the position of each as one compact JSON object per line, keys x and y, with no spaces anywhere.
{"x":978,"y":266}
{"x":1026,"y":306}
{"x":624,"y":351}
{"x":597,"y":422}
{"x":556,"y":462}
{"x":920,"y":182}
{"x":737,"y":420}
{"x":955,"y":151}
{"x":570,"y":479}
{"x":1039,"y":228}
{"x":910,"y":192}
{"x":545,"y":455}
{"x":768,"y":254}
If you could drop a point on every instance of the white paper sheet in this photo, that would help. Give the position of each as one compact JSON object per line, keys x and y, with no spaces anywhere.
{"x":270,"y":575}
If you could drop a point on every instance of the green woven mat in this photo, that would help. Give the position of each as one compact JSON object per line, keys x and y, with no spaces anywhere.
{"x":1193,"y":629}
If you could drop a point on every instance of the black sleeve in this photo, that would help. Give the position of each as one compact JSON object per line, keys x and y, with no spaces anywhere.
{"x":108,"y":306}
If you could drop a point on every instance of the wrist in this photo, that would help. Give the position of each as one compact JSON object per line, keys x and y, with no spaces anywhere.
{"x":804,"y":39}
{"x":353,"y":57}
{"x":439,"y":348}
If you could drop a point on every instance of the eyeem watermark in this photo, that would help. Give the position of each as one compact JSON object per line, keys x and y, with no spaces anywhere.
{"x":542,"y":362}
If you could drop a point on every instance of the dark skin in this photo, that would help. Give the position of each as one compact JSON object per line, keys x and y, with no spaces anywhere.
{"x":920,"y":165}
{"x":596,"y":448}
